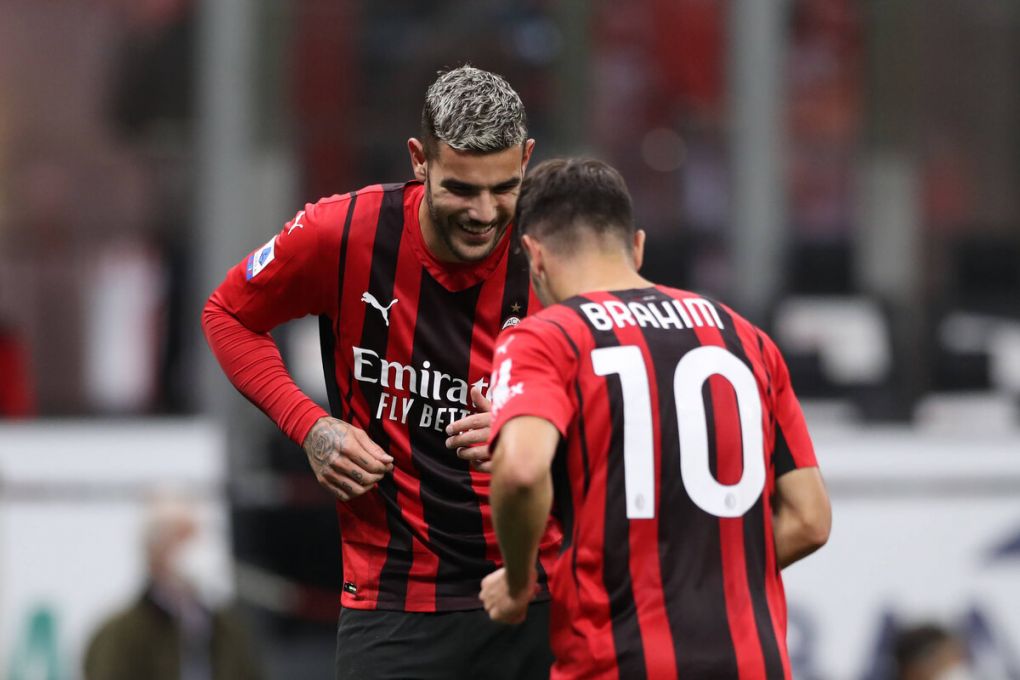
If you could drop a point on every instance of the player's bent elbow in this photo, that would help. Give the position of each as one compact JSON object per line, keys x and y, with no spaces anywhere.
{"x":212,"y":312}
{"x":818,"y":526}
{"x":817,"y":533}
{"x":518,"y":474}
{"x":523,"y":453}
{"x":803,"y":510}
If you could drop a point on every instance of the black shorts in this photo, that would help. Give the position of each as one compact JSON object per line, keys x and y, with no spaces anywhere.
{"x":388,"y":645}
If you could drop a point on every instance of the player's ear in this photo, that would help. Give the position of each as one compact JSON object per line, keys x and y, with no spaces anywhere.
{"x":418,"y":160}
{"x":534,"y":252}
{"x":529,"y":246}
{"x":638,"y":249}
{"x":529,"y":148}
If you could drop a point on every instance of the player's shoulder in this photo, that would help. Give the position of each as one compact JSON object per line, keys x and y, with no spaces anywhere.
{"x":682,"y":295}
{"x":355,"y":210}
{"x":360,"y":210}
{"x":328,"y":209}
{"x":743,"y":327}
{"x":320,"y":217}
{"x":557,"y":323}
{"x":558,"y":315}
{"x":725,"y":311}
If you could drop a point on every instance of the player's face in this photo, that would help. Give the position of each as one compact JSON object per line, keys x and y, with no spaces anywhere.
{"x":471,"y":199}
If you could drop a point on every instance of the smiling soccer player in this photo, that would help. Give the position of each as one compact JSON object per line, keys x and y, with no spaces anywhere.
{"x":411,"y":282}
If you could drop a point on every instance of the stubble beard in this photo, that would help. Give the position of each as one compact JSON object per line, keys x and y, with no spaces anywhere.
{"x":445,"y":226}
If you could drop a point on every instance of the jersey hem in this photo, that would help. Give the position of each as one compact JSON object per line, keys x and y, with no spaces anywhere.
{"x":453,"y":604}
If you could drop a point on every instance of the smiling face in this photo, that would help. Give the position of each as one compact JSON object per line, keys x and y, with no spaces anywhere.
{"x":470,"y":198}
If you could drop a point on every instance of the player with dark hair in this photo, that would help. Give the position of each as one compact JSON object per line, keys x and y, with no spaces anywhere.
{"x":411,"y":283}
{"x":684,"y":475}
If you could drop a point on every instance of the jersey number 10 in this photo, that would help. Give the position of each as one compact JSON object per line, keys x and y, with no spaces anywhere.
{"x":721,"y":500}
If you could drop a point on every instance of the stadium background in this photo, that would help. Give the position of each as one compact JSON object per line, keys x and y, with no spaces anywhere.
{"x":843,"y":172}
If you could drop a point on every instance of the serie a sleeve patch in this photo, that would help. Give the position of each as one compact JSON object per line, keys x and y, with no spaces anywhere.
{"x":258,"y":260}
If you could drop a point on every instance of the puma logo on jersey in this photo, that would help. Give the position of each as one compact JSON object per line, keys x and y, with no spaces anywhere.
{"x":296,"y":224}
{"x":368,"y":298}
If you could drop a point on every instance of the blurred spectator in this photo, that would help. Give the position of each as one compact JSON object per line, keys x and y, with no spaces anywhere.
{"x":930,"y":652}
{"x":17,"y":396}
{"x":151,"y":111}
{"x":175,"y":630}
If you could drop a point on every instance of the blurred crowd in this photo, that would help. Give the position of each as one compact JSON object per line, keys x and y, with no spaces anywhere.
{"x":98,"y":273}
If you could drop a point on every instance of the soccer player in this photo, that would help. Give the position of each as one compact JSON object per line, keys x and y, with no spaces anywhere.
{"x":411,"y":283}
{"x":683,"y":472}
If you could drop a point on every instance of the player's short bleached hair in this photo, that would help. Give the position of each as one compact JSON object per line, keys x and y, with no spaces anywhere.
{"x":472,"y":110}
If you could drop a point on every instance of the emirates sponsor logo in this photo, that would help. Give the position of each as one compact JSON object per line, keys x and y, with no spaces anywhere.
{"x":407,"y":388}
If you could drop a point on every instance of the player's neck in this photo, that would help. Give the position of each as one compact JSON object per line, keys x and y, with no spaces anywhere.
{"x":586,"y":274}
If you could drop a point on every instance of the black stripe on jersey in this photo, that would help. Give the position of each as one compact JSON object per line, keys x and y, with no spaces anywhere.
{"x":449,"y":503}
{"x":516,"y":288}
{"x":563,"y":502}
{"x":374,"y":335}
{"x":327,"y":332}
{"x":690,"y":551}
{"x":782,"y":457}
{"x":754,"y":535}
{"x":630,"y":654}
{"x":616,"y":548}
{"x":765,"y":365}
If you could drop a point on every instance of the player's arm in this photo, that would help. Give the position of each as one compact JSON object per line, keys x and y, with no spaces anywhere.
{"x":285,"y":280}
{"x":802,"y":515}
{"x":801,"y":512}
{"x":531,"y":410}
{"x":521,"y":496}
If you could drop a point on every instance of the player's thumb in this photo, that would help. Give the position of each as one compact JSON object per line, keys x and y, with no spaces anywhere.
{"x":481,"y":403}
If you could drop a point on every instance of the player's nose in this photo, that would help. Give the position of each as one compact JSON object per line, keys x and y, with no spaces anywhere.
{"x":483,"y":208}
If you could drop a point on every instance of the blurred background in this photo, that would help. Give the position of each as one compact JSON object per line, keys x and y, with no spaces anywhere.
{"x":843,"y":172}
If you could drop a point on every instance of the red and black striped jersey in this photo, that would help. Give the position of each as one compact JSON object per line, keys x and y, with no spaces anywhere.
{"x":404,"y":338}
{"x":677,"y":415}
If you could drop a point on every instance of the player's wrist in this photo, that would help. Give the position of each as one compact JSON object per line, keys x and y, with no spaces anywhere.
{"x":317,"y":425}
{"x":520,"y":582}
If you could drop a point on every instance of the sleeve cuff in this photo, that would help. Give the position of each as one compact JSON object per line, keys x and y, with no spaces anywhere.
{"x":310,"y":414}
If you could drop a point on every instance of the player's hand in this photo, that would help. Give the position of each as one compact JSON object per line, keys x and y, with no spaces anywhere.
{"x":345,"y":461}
{"x":470,"y":436}
{"x":500,"y":602}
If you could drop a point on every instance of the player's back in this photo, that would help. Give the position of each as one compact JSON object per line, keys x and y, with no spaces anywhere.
{"x":669,"y":568}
